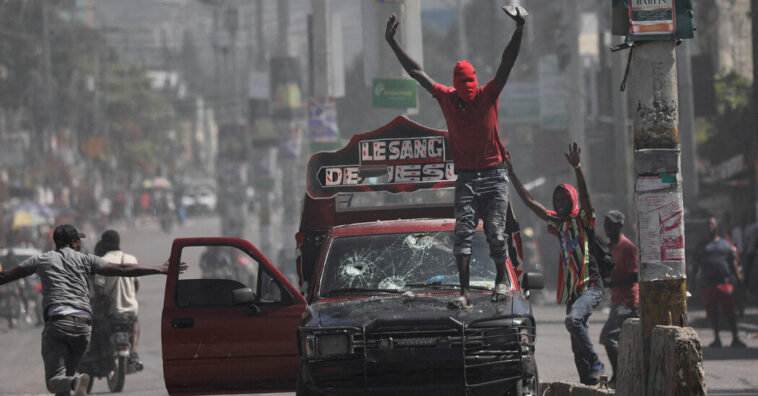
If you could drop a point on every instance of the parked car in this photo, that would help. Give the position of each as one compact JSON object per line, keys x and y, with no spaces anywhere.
{"x":373,"y":317}
{"x":200,"y":199}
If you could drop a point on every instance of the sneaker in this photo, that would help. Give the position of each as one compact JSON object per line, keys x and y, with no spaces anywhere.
{"x":460,"y":303}
{"x":500,"y":293}
{"x":135,"y":362}
{"x":715,"y":344}
{"x":593,"y":378}
{"x":737,"y":343}
{"x":80,"y":384}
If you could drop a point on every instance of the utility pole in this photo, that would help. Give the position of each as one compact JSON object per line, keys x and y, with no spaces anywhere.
{"x":658,"y":188}
{"x":49,"y":126}
{"x":754,"y":20}
{"x":574,"y":69}
{"x":687,"y":122}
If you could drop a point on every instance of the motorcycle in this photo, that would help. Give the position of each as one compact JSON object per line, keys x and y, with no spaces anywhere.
{"x":110,"y":352}
{"x":11,"y":304}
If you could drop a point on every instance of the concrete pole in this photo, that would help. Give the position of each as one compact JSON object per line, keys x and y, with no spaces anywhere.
{"x":576,"y":92}
{"x":754,"y":20}
{"x":658,"y":188}
{"x":462,"y":39}
{"x":687,"y":122}
{"x":322,"y":75}
{"x":50,"y":125}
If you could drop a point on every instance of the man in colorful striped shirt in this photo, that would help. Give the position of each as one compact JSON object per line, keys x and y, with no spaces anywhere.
{"x":579,"y":284}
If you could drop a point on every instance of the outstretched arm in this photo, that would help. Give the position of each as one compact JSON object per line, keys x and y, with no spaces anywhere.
{"x":529,"y":201}
{"x":412,"y":67}
{"x":573,"y":158}
{"x":113,"y":269}
{"x":13,"y":274}
{"x":510,"y":53}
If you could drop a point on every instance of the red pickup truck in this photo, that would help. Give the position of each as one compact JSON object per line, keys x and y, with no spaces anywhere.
{"x":376,"y":272}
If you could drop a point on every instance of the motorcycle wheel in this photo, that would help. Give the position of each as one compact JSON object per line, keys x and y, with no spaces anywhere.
{"x":117,"y":375}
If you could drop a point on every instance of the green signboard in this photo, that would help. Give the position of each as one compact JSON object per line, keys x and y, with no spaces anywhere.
{"x":396,"y":93}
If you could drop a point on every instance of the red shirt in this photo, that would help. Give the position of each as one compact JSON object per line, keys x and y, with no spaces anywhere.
{"x":474,"y":138}
{"x":625,"y":255}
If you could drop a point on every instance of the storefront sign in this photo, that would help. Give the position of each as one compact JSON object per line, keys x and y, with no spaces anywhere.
{"x":395,"y":93}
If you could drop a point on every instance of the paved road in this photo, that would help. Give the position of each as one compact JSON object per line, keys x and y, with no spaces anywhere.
{"x":728,"y":371}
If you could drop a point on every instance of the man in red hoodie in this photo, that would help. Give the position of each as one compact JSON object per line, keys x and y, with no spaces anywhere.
{"x":625,"y":294}
{"x":481,"y":187}
{"x":579,"y":284}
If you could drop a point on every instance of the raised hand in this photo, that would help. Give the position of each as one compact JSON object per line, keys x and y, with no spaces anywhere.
{"x":392,"y":24}
{"x":517,"y":13}
{"x":573,"y":156}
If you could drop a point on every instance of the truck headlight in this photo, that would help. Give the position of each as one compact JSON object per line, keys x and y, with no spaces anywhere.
{"x":309,"y":346}
{"x":335,"y":344}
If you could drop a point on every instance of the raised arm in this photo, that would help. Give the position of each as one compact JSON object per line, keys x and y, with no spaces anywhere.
{"x":573,"y":158}
{"x":13,"y":274}
{"x":529,"y":201}
{"x":412,"y":67}
{"x":114,"y":269}
{"x":510,"y":53}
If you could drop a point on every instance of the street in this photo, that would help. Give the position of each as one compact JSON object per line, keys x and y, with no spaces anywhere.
{"x":728,"y":371}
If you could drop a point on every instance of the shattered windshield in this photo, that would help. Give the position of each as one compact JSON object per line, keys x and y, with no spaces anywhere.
{"x":400,"y":262}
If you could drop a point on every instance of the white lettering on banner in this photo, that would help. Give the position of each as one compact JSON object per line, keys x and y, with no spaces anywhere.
{"x":651,"y":3}
{"x":342,"y":176}
{"x":430,"y":149}
{"x":406,"y":152}
{"x":394,"y":150}
{"x":397,"y":174}
{"x":333,"y":176}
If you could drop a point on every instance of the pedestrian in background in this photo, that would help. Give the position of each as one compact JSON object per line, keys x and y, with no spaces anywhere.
{"x":718,"y":272}
{"x":65,"y":273}
{"x":579,"y":284}
{"x":624,"y":283}
{"x":481,"y":188}
{"x":119,"y":292}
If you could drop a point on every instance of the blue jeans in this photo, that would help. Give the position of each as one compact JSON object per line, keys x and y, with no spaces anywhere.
{"x":578,"y":313}
{"x":611,"y":332}
{"x":481,"y":195}
{"x":63,"y":345}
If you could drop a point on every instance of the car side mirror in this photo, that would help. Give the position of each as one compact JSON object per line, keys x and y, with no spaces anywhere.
{"x":245,"y":296}
{"x":533,"y":281}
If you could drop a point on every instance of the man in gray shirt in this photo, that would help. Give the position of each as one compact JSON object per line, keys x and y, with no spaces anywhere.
{"x":65,"y":275}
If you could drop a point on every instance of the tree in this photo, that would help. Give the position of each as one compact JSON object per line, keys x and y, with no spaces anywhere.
{"x":730,"y":131}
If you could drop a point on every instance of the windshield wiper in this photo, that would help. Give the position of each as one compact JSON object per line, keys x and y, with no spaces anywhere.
{"x":436,"y":285}
{"x":360,"y":290}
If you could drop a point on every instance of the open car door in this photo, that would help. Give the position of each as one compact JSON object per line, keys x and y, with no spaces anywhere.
{"x":229,"y":323}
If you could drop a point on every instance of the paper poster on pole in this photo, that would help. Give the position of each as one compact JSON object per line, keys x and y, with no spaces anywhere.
{"x":661,"y":221}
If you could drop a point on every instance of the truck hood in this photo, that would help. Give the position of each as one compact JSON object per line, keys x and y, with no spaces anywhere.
{"x":363,"y":311}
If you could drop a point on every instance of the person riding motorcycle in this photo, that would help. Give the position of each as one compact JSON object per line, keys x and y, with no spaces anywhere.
{"x":117,"y":296}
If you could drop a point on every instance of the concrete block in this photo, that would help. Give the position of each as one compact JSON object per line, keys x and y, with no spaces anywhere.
{"x":572,"y":389}
{"x":676,"y":362}
{"x":629,"y":370}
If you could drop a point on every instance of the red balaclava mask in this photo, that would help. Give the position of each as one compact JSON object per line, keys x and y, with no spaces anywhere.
{"x":464,"y":80}
{"x":572,"y":195}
